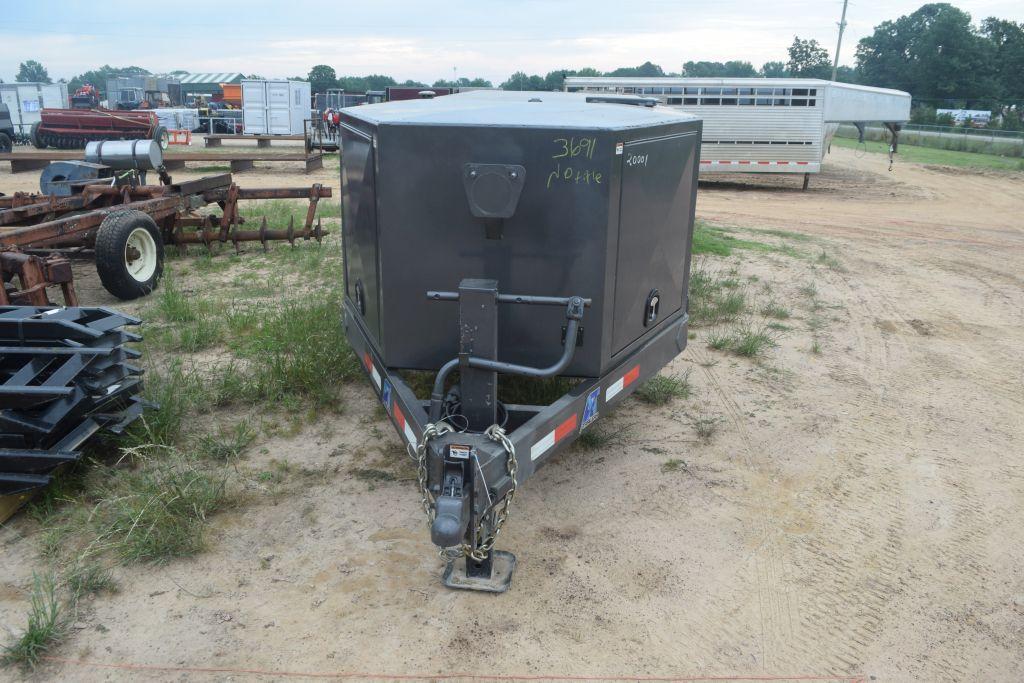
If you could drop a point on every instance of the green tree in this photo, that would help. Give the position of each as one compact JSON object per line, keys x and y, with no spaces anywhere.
{"x":322,"y":78}
{"x":462,"y":82}
{"x":934,"y":53}
{"x":808,"y":59}
{"x":774,"y":70}
{"x":847,"y":74}
{"x":409,"y":83}
{"x":98,"y":77}
{"x":521,"y":81}
{"x":1007,"y":38}
{"x":31,"y":71}
{"x":647,"y":69}
{"x":732,"y":69}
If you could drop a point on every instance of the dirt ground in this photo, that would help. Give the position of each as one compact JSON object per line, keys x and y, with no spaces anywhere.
{"x":857,"y":513}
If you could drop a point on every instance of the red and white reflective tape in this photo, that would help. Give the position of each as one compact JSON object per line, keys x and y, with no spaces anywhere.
{"x":551,"y":438}
{"x":403,"y":424}
{"x":748,"y":162}
{"x":372,"y":369}
{"x":617,"y":386}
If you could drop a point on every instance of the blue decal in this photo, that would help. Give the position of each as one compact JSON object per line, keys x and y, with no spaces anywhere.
{"x":385,"y":395}
{"x":590,"y":411}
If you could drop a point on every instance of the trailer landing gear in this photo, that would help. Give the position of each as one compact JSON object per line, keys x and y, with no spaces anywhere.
{"x":493,"y":574}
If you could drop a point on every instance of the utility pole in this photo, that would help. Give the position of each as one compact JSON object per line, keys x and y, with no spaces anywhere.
{"x":839,"y":43}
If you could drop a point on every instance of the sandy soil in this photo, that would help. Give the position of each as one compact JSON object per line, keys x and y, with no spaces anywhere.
{"x":857,"y":513}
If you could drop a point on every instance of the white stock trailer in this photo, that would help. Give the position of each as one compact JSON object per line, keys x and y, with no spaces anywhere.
{"x":26,"y":100}
{"x":275,"y":107}
{"x":763,"y":125}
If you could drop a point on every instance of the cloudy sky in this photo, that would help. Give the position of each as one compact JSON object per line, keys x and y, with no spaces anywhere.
{"x":430,"y":40}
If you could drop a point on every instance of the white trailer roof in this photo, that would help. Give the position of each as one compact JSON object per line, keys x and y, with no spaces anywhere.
{"x":844,"y":102}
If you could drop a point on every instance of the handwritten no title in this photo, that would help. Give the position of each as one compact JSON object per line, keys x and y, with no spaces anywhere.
{"x":581,"y":150}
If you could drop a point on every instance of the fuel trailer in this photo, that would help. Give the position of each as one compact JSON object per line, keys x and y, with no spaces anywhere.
{"x":498,"y":234}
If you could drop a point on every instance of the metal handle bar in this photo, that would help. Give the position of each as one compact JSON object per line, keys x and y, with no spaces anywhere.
{"x":514,"y":299}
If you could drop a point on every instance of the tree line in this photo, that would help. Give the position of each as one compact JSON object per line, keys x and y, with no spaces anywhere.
{"x":936,"y":53}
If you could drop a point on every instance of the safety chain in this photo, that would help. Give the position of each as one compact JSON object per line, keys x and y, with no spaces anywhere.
{"x":484,"y":546}
{"x":431,"y":431}
{"x":479,"y":553}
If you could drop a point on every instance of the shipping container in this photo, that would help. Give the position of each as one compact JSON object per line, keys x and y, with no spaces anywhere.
{"x":275,"y":107}
{"x":26,"y":100}
{"x":762,"y":125}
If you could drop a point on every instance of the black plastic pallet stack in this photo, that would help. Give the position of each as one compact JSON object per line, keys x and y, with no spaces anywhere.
{"x":65,"y":374}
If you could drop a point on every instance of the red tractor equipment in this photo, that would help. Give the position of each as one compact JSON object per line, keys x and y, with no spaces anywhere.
{"x":86,"y":97}
{"x":73,"y":128}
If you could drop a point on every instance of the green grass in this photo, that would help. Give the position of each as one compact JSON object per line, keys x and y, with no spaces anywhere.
{"x":705,"y":425}
{"x":830,"y":262}
{"x":942,"y":157}
{"x":674,"y":465}
{"x":774,"y":309}
{"x":45,"y":625}
{"x":753,"y":341}
{"x":279,"y":211}
{"x":227,"y":444}
{"x":173,"y":305}
{"x":89,"y":578}
{"x":744,"y":340}
{"x":211,"y":169}
{"x":713,"y":299}
{"x":155,"y":513}
{"x":661,"y":389}
{"x":720,"y":241}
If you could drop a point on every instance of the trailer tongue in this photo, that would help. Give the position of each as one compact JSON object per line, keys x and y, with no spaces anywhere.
{"x":510,"y":234}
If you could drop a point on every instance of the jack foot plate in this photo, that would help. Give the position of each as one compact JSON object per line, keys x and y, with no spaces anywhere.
{"x":503,"y":564}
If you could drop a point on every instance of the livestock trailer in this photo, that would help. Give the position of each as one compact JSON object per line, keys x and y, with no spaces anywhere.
{"x":498,"y":234}
{"x":763,"y":125}
{"x":26,"y":101}
{"x":275,"y":107}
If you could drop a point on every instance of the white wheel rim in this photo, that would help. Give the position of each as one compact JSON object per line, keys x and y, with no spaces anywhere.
{"x":140,"y":255}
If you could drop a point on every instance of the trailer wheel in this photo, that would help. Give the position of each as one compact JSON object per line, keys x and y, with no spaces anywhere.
{"x":129,"y":254}
{"x":5,"y":143}
{"x":161,"y":137}
{"x":37,"y":139}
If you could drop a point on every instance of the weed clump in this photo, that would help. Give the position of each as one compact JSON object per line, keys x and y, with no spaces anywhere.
{"x":46,"y":624}
{"x":661,"y":389}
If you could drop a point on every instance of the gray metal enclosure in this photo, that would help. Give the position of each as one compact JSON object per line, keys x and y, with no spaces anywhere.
{"x":550,"y":194}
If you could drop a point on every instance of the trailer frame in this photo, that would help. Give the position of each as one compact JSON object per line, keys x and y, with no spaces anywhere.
{"x":495,"y":462}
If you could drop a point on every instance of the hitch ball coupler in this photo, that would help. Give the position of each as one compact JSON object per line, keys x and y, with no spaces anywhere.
{"x":452,"y":506}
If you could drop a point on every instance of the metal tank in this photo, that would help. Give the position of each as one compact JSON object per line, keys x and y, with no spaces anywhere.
{"x":141,"y":155}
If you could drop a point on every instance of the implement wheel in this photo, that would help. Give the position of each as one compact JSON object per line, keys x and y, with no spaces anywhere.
{"x":5,"y":143}
{"x":129,"y":254}
{"x":35,"y":137}
{"x":161,"y":137}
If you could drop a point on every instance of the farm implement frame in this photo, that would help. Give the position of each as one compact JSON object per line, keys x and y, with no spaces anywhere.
{"x":37,"y":231}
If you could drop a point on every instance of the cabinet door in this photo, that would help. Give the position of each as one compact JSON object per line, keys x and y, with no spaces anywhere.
{"x":359,"y":225}
{"x":655,"y":211}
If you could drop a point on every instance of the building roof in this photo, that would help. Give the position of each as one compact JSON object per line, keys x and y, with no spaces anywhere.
{"x":210,"y":78}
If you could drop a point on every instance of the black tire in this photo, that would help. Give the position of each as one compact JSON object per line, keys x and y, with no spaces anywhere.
{"x":160,"y":137}
{"x":37,"y":139}
{"x":5,"y":143}
{"x":123,"y":278}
